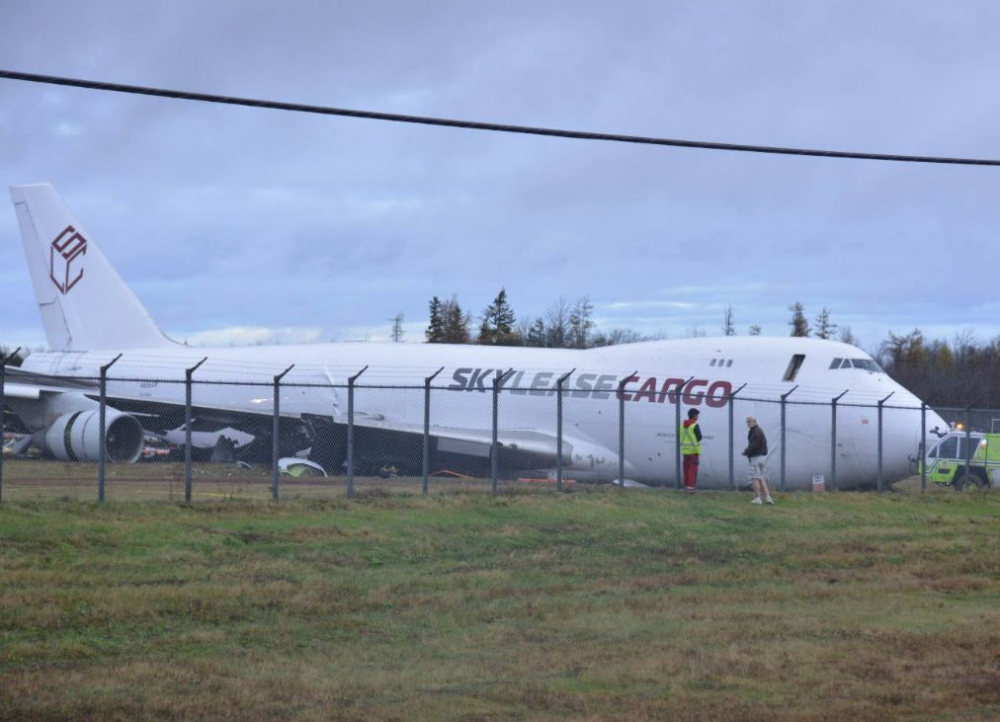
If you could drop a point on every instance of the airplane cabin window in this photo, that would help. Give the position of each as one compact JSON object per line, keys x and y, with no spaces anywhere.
{"x":729,"y":363}
{"x":713,"y":363}
{"x":835,"y":364}
{"x":793,"y":366}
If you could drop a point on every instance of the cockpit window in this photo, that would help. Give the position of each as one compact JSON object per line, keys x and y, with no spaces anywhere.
{"x":867,"y":365}
{"x":857,"y":363}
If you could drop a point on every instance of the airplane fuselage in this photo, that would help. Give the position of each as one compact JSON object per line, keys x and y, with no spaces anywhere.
{"x":696,"y":373}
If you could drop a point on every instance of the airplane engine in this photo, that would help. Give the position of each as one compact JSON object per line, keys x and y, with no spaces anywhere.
{"x":76,"y":437}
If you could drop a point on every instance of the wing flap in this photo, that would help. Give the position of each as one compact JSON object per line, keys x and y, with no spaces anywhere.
{"x":478,"y":442}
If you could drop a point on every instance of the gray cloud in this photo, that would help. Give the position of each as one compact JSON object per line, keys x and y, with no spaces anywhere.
{"x":228,"y":218}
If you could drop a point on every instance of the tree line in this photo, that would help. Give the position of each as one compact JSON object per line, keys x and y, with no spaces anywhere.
{"x":564,"y":325}
{"x":962,"y":372}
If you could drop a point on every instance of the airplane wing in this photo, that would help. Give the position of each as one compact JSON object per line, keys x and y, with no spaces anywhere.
{"x":534,"y":448}
{"x":477,"y":442}
{"x":30,"y":385}
{"x":154,"y":413}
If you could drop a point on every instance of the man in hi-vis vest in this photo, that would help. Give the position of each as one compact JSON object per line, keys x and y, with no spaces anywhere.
{"x":691,"y":450}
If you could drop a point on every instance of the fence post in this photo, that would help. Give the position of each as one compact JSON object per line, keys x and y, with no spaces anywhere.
{"x":275,"y":432}
{"x":102,"y":452}
{"x":732,"y":448}
{"x":923,"y":446}
{"x":621,"y":425}
{"x":350,"y":432}
{"x":833,"y":440}
{"x":427,"y":427}
{"x":187,"y":428}
{"x":677,"y":432}
{"x":784,"y":396}
{"x":968,"y":440}
{"x":498,"y":381}
{"x":881,"y":482}
{"x":559,"y":429}
{"x":3,"y":417}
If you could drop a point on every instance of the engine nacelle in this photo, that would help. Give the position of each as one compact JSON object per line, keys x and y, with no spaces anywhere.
{"x":77,"y":437}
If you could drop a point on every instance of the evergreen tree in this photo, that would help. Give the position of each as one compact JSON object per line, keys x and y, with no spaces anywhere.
{"x":497,"y":328}
{"x":536,"y":334}
{"x":728,"y":326}
{"x":799,"y":324}
{"x":435,"y":329}
{"x":455,"y":323}
{"x":397,"y":328}
{"x":825,"y":328}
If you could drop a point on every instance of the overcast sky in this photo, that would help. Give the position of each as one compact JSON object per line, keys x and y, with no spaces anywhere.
{"x":243,"y":225}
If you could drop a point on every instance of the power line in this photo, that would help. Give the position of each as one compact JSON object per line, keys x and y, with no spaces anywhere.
{"x":472,"y":125}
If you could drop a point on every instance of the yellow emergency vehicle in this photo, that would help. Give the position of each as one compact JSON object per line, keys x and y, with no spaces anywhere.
{"x":946,"y":460}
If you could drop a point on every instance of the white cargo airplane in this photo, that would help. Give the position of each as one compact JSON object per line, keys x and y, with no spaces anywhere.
{"x":91,"y":316}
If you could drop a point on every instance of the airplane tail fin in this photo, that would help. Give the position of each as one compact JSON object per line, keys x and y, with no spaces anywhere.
{"x":85,"y":304}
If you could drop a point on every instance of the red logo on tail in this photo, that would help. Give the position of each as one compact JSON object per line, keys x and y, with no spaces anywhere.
{"x":66,"y":248}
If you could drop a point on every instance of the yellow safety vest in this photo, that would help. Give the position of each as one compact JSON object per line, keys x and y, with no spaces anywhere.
{"x":689,"y":442}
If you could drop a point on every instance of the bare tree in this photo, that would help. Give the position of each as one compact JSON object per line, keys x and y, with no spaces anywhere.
{"x":557,"y":331}
{"x":6,"y":352}
{"x":617,"y":337}
{"x":580,"y":324}
{"x":847,"y":336}
{"x":754,"y":330}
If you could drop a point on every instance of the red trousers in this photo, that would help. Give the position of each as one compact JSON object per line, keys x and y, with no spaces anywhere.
{"x":690,"y":470}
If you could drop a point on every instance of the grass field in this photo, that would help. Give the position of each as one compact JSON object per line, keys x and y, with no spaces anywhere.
{"x":594,"y":604}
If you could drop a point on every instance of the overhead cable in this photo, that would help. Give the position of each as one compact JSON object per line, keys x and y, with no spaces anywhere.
{"x":473,"y":125}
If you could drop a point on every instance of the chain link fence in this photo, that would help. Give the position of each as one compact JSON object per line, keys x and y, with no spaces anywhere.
{"x":187,"y":439}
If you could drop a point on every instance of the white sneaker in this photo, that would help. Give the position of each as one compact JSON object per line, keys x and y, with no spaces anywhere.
{"x":756,"y":500}
{"x":769,"y":500}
